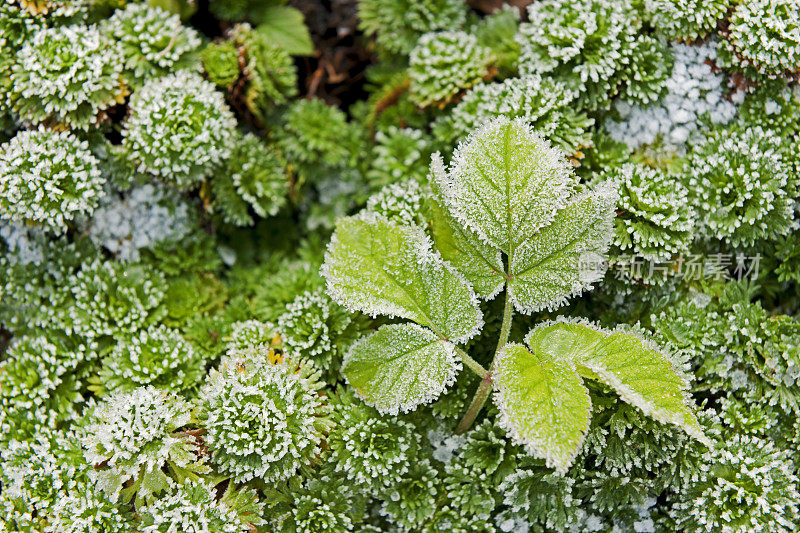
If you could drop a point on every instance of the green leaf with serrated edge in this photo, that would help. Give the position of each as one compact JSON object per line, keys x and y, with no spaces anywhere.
{"x":543,"y":404}
{"x":284,"y":26}
{"x":399,"y":367}
{"x":378,"y":267}
{"x":632,"y":366}
{"x":566,"y":257}
{"x":506,"y":183}
{"x":480,"y":263}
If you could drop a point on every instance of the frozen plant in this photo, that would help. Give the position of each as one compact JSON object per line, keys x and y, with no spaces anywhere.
{"x":399,"y":153}
{"x":741,"y":185}
{"x":48,"y":178}
{"x":763,"y":38}
{"x":152,"y":41}
{"x":156,"y":356}
{"x":554,"y":239}
{"x":399,"y":24}
{"x":370,"y":451}
{"x":109,"y":297}
{"x":133,"y":436}
{"x":593,"y":47}
{"x":654,"y":217}
{"x":444,"y":64}
{"x":269,"y":70}
{"x":66,"y":76}
{"x":686,"y":20}
{"x":264,"y":418}
{"x":315,"y":137}
{"x":179,"y":128}
{"x":139,"y":218}
{"x":318,"y":330}
{"x":196,"y":506}
{"x":746,"y":484}
{"x":24,"y":243}
{"x":38,"y":384}
{"x":399,"y":202}
{"x":252,"y":179}
{"x":546,"y":104}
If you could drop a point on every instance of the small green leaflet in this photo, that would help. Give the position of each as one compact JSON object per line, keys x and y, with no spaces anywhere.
{"x":375,"y":266}
{"x":400,"y":367}
{"x":643,"y":377}
{"x":545,"y":405}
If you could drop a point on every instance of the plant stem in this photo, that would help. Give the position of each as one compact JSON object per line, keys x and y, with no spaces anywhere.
{"x":505,"y":329}
{"x":472,"y":363}
{"x":482,"y":394}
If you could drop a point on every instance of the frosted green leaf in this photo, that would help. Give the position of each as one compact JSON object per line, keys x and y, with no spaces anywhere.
{"x":480,"y":263}
{"x":399,"y":367}
{"x":566,"y":257}
{"x":506,"y":183}
{"x":632,"y":366}
{"x":543,"y":404}
{"x":378,"y":267}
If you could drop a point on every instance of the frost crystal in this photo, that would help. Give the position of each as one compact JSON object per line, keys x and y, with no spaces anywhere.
{"x":694,"y":91}
{"x":137,"y":219}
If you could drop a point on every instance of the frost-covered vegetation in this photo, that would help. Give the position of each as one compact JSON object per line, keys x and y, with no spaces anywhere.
{"x":399,"y":266}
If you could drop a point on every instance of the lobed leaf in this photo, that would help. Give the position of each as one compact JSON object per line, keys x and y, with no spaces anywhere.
{"x":400,"y":367}
{"x":543,"y":404}
{"x":375,"y":266}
